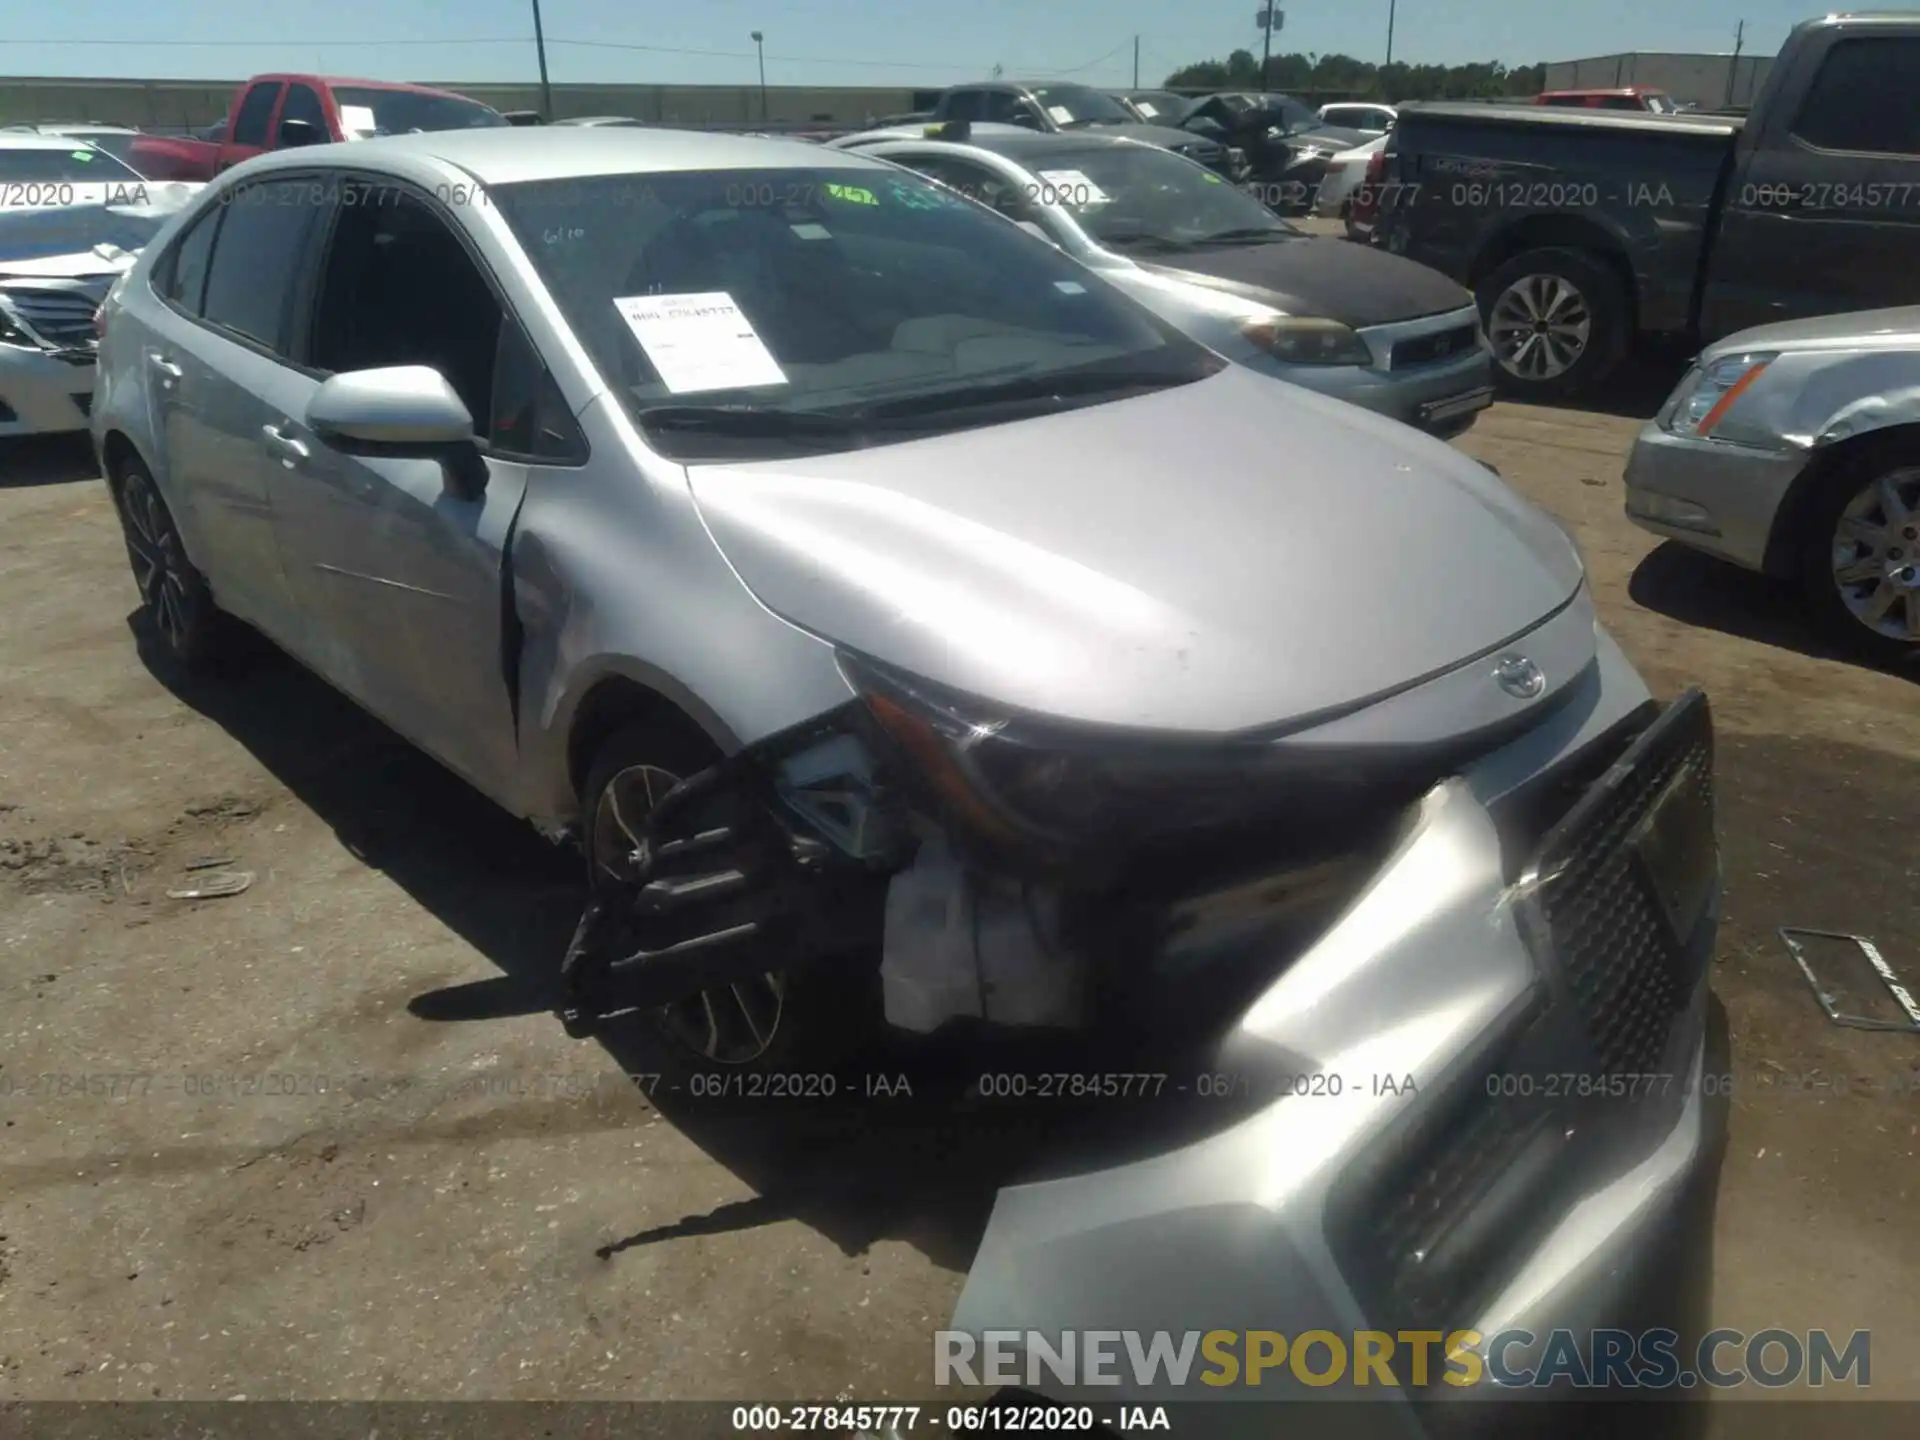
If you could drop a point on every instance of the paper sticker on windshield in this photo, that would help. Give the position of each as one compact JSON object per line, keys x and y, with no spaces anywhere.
{"x":1069,"y":287}
{"x":1070,"y":187}
{"x":1061,"y":114}
{"x":1145,"y":108}
{"x":699,"y":342}
{"x":358,"y":119}
{"x":807,"y":230}
{"x":851,"y":194}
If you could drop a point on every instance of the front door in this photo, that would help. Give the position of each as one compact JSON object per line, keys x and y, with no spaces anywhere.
{"x":399,"y":575}
{"x":251,"y":130}
{"x":1825,"y":216}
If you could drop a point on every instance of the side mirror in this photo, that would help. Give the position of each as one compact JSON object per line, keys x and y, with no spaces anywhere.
{"x":295,"y":133}
{"x":402,"y":412}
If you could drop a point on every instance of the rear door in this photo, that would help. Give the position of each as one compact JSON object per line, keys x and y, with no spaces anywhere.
{"x":400,"y":577}
{"x":251,"y":129}
{"x":218,"y":373}
{"x":1825,"y":216}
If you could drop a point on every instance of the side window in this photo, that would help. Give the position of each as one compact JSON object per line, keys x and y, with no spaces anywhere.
{"x":964,"y":105}
{"x":257,"y":259}
{"x":975,"y":182}
{"x":530,"y":416}
{"x":1864,"y":99}
{"x":182,"y":276}
{"x":250,"y":125}
{"x":400,"y":289}
{"x":303,"y":103}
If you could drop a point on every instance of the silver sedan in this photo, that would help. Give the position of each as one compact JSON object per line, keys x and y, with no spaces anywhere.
{"x":1791,"y":449}
{"x":1355,"y":323}
{"x":915,"y":633}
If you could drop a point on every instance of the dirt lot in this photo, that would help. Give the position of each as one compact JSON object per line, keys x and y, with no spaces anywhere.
{"x":361,"y":1159}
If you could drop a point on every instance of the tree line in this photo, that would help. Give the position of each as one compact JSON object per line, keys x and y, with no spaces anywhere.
{"x":1360,"y":78}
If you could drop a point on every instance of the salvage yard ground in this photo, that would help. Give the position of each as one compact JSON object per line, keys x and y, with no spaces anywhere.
{"x":366,"y":1162}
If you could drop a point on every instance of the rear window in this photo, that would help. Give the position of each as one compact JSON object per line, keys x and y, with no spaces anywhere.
{"x":1865,"y":99}
{"x":39,"y":166}
{"x":366,"y":112}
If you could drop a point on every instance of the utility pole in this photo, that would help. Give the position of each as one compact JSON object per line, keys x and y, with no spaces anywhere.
{"x":540,"y":45}
{"x":1390,"y":9}
{"x":1270,"y":21}
{"x":1733,"y":69}
{"x":1136,"y":62}
{"x":760,"y":47}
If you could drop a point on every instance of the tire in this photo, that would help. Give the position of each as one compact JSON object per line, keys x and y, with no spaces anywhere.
{"x":174,"y":597}
{"x":813,"y":1019}
{"x":1557,"y":321}
{"x":1854,"y":526}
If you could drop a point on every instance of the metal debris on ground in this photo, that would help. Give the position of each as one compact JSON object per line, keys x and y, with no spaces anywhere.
{"x":1901,"y":995}
{"x":215,"y":863}
{"x":214,"y":886}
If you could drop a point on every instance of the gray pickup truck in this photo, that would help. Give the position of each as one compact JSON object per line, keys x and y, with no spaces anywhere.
{"x":1581,"y":231}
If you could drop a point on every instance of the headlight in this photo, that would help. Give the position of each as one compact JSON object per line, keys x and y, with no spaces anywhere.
{"x":1302,"y":340}
{"x":1054,"y":794}
{"x":1703,"y":399}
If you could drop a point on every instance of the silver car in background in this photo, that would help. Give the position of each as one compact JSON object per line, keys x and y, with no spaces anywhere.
{"x":1352,"y":322}
{"x":1791,"y":449}
{"x":914,"y":631}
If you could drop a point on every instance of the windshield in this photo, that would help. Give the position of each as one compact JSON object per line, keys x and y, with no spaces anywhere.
{"x":816,"y":294}
{"x":115,"y":142}
{"x":40,"y":165}
{"x":1074,"y":106}
{"x":30,"y":234}
{"x":1290,"y":112}
{"x":1139,"y":196}
{"x":366,"y":112}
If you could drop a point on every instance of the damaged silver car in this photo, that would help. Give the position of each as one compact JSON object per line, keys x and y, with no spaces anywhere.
{"x":916,"y":632}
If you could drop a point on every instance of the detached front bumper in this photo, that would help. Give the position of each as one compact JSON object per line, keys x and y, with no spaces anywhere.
{"x":41,"y":393}
{"x":1719,"y":498}
{"x":1396,"y":1184}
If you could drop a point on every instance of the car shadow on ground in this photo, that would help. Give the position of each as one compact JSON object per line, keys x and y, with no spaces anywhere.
{"x":1636,"y":390}
{"x":46,"y":460}
{"x":1700,"y":590}
{"x":858,"y":1168}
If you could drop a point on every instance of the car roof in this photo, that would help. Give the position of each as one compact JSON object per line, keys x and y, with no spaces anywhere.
{"x":509,"y":154}
{"x":34,"y":140}
{"x":347,"y":82}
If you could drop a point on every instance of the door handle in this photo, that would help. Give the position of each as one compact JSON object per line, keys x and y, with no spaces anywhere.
{"x":291,"y":451}
{"x":165,"y":367}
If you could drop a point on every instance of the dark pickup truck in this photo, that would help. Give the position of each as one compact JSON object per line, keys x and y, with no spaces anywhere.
{"x":1581,"y":231}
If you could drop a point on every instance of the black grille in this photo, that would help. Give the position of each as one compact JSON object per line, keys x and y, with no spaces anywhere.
{"x":1425,"y":349}
{"x":1593,"y":900}
{"x":62,"y":317}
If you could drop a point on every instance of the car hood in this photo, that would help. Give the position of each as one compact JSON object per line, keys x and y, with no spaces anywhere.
{"x":88,"y":265}
{"x":1225,"y":555}
{"x":1895,"y":328}
{"x":1354,"y":284}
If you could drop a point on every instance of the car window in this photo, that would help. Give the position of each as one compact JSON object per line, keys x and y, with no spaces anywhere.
{"x":366,"y":112}
{"x":964,"y":105}
{"x":1140,"y":198}
{"x":976,"y":182}
{"x":303,"y":103}
{"x":256,"y":259}
{"x":1072,"y":106}
{"x":1864,"y":99}
{"x":42,"y":165}
{"x":250,"y":125}
{"x":529,"y":416}
{"x":399,"y":288}
{"x":182,"y":275}
{"x":819,"y":291}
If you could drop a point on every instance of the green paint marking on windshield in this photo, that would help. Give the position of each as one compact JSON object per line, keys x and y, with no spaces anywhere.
{"x":1213,"y":180}
{"x":80,"y":154}
{"x":852,"y":194}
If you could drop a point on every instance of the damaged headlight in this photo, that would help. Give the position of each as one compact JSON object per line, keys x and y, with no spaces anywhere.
{"x":1054,"y":788}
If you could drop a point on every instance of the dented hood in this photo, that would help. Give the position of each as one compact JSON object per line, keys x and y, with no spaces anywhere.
{"x":1219,"y":556}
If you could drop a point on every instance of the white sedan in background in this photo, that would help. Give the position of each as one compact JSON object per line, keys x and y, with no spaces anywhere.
{"x":1345,"y":173}
{"x":72,"y":220}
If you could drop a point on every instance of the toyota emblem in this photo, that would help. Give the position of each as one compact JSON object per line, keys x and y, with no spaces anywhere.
{"x":1519,"y":677}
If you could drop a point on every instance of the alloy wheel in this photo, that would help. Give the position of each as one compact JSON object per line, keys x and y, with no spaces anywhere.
{"x":731,"y":1024}
{"x":1876,"y":556}
{"x":1540,"y":327}
{"x":159,"y":564}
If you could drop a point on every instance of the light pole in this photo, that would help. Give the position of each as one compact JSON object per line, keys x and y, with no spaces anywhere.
{"x":759,"y":45}
{"x":1390,"y":9}
{"x":540,"y":45}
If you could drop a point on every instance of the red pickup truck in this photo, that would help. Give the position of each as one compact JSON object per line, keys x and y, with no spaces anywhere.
{"x":272,"y":112}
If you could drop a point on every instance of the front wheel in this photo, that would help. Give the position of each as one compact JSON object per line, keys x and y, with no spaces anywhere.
{"x":813,"y":1017}
{"x":1861,"y":567}
{"x":1556,"y":321}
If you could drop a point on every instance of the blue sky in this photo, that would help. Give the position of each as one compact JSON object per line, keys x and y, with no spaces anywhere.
{"x":838,"y":42}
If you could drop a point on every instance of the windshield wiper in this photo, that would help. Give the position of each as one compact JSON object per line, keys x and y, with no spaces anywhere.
{"x":750,"y":420}
{"x":1023,"y":387}
{"x":1248,"y":235}
{"x":1140,"y":240}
